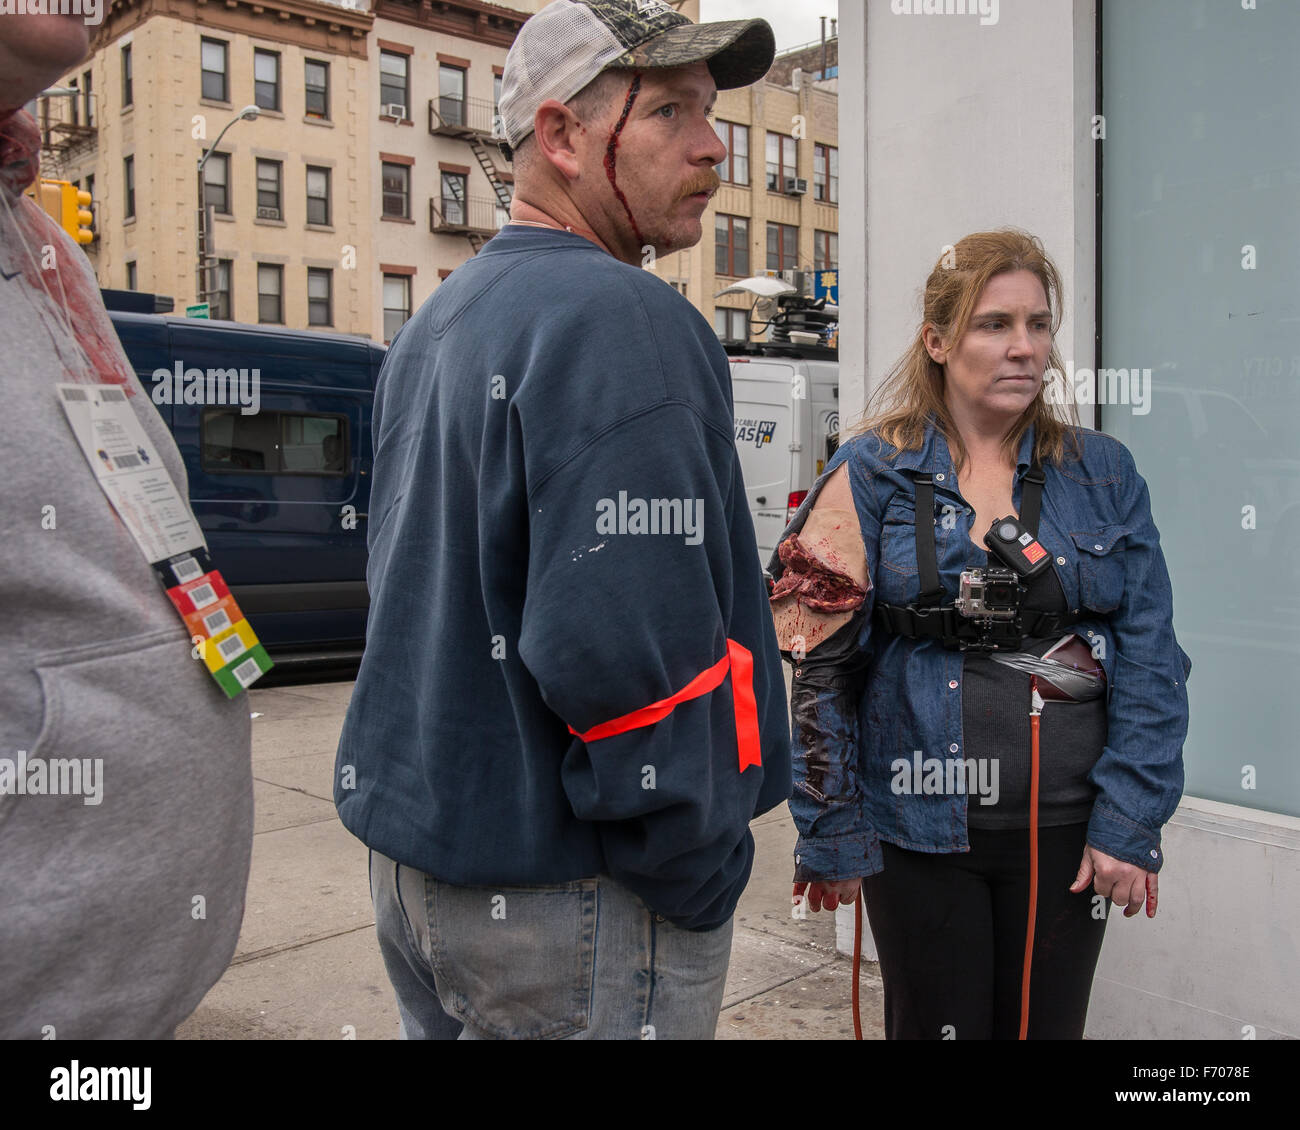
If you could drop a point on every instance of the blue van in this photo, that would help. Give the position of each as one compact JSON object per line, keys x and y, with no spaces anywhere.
{"x":274,"y":428}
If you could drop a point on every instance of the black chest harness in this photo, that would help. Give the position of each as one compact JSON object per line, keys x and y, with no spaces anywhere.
{"x":927,"y":619}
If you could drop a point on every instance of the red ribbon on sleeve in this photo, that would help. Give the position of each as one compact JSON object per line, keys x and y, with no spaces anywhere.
{"x":739,"y":662}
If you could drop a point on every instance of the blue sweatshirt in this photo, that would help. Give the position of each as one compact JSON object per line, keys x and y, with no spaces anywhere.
{"x":559,"y":538}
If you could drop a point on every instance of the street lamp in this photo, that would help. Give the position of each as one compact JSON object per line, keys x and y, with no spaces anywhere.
{"x":248,"y":113}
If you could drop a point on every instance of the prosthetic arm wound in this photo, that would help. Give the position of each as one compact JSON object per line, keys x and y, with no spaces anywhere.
{"x":824,"y":581}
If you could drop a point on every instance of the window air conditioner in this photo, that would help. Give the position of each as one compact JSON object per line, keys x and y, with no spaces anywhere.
{"x":268,"y":213}
{"x":395,"y":110}
{"x":796,"y":186}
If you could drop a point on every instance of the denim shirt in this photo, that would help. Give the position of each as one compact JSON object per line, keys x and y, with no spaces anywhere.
{"x":1096,"y":524}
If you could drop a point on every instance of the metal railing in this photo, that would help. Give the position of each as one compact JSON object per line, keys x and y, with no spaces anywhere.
{"x":458,"y":117}
{"x":454,"y":216}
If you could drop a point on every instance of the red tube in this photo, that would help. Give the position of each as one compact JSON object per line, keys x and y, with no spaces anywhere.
{"x":1034,"y":710}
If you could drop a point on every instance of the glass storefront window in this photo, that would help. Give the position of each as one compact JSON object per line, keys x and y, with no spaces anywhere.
{"x":1201,"y":287}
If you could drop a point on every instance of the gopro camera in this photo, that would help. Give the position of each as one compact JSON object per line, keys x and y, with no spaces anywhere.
{"x":989,"y":594}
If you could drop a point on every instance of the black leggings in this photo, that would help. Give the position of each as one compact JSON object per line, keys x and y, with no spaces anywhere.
{"x":950,"y":930}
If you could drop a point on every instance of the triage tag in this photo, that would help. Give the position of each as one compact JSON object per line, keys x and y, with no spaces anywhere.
{"x":1017,"y":548}
{"x":223,"y":638}
{"x":140,"y":489}
{"x":130,"y":471}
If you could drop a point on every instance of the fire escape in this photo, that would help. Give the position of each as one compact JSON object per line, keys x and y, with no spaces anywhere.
{"x":455,"y":211}
{"x":67,"y":121}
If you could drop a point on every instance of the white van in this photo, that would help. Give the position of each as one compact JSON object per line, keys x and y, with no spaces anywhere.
{"x":787,"y":414}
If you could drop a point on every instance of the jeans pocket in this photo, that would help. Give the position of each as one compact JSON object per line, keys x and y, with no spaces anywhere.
{"x":518,"y":961}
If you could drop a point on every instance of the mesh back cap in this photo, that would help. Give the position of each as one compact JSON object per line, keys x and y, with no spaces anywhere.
{"x":569,"y":42}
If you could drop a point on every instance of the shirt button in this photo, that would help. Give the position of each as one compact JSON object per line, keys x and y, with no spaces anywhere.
{"x":938,"y":478}
{"x":1060,"y":560}
{"x":952,"y":684}
{"x":1155,"y":854}
{"x":952,"y":748}
{"x":1097,"y":548}
{"x":1090,"y":635}
{"x":659,"y":917}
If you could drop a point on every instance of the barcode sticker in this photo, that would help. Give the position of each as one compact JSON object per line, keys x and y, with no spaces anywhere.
{"x":216,"y":622}
{"x":186,"y":570}
{"x":247,"y":671}
{"x":230,"y":647}
{"x":125,"y":461}
{"x":202,"y":596}
{"x":111,"y":395}
{"x":76,"y":394}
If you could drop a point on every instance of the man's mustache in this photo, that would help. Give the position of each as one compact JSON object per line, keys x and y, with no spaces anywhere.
{"x":706,"y":182}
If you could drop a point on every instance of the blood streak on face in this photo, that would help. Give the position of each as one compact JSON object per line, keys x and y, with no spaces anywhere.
{"x":611,"y":153}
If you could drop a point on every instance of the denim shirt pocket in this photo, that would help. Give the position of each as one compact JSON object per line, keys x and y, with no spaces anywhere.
{"x":1101,"y":567}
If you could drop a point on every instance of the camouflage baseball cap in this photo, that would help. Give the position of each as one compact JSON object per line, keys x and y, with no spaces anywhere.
{"x":569,"y":42}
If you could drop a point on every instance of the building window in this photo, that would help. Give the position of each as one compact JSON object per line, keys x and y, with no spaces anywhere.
{"x":453,"y":197}
{"x":320,"y":296}
{"x":496,"y":94}
{"x":782,"y":247}
{"x":318,"y":195}
{"x":393,"y":89}
{"x":128,"y":91}
{"x":451,"y":94}
{"x":731,"y":245}
{"x":131,"y":276}
{"x":782,"y":161}
{"x":826,"y":174}
{"x":74,"y":103}
{"x":270,"y":293}
{"x":678,"y":286}
{"x":268,"y":190}
{"x":318,"y":89}
{"x":214,"y":60}
{"x":128,"y":173}
{"x":397,"y":190}
{"x":397,"y":303}
{"x":216,"y":182}
{"x":266,"y":79}
{"x":220,"y":301}
{"x":826,"y":251}
{"x":87,"y":92}
{"x":731,"y":325}
{"x":735,"y":167}
{"x":94,"y":202}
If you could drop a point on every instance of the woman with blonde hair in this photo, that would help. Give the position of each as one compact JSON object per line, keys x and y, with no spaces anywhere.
{"x":988,"y":705}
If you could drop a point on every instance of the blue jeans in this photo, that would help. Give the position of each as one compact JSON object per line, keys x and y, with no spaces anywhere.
{"x":583,"y":960}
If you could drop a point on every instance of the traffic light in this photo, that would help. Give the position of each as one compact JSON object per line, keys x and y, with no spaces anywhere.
{"x":77,"y":216}
{"x":67,"y":205}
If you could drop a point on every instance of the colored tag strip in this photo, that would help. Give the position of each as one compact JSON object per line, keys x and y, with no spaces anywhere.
{"x":223,"y":638}
{"x":739,"y":662}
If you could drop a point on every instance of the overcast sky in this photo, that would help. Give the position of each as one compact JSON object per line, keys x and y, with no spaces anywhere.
{"x":794,"y":21}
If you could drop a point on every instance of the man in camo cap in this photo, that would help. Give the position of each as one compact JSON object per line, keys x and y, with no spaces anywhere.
{"x":561,"y":730}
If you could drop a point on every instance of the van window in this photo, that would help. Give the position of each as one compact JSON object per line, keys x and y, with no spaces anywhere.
{"x":279,"y":443}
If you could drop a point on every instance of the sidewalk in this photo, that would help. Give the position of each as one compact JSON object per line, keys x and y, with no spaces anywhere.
{"x":307,"y":966}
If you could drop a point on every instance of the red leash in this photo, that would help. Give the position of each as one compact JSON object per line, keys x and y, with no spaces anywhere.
{"x":1035,"y":711}
{"x":857,"y":961}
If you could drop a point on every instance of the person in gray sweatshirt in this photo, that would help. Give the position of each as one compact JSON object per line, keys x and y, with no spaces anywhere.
{"x":121,"y":898}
